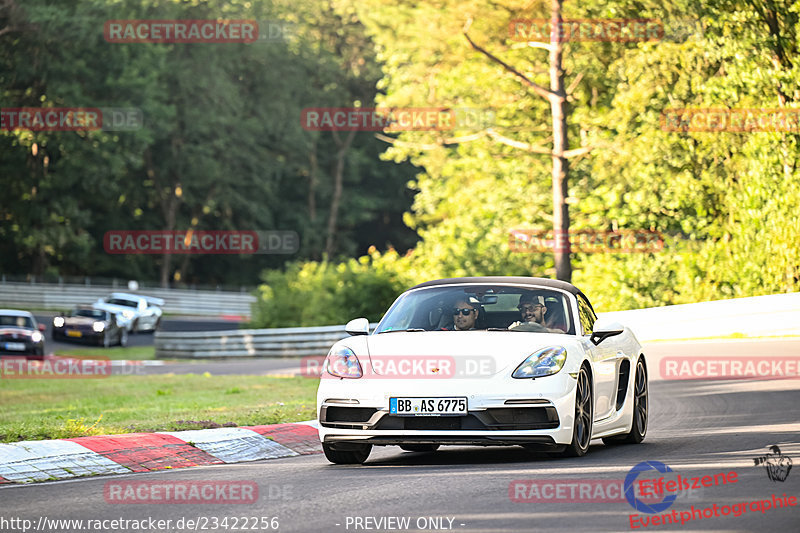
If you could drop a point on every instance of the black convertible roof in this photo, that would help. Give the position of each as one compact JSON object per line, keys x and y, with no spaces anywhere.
{"x":516,"y":280}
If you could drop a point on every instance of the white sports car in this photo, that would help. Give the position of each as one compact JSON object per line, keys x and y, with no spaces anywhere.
{"x":483,"y":361}
{"x":136,"y":313}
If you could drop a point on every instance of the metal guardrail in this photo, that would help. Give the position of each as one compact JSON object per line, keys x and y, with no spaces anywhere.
{"x":57,"y":296}
{"x":119,"y":284}
{"x":278,"y":342}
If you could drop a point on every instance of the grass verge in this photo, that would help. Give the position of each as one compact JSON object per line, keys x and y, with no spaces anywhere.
{"x":134,"y":353}
{"x":35,"y":409}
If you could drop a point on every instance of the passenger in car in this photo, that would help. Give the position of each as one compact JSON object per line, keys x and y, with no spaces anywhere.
{"x":532,"y":308}
{"x":465,"y":315}
{"x":554,"y":317}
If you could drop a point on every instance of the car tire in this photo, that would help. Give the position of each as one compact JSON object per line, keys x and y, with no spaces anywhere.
{"x":135,"y":326}
{"x":123,"y":337}
{"x":584,"y":416}
{"x":157,"y":325}
{"x":420,"y":447}
{"x":349,"y":454}
{"x":640,"y":407}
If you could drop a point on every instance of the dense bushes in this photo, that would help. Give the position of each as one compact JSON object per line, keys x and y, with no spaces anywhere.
{"x":324,"y":293}
{"x":317,"y":294}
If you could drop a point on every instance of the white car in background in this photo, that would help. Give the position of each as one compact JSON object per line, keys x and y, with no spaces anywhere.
{"x":535,"y":369}
{"x":136,"y":313}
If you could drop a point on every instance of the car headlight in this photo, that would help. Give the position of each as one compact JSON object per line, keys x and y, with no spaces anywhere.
{"x":544,"y":362}
{"x":37,"y":337}
{"x":58,"y":322}
{"x":127,"y":314}
{"x":98,"y":326}
{"x":343,"y":363}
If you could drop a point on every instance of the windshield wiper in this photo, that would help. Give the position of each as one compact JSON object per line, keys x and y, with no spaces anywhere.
{"x":401,"y":330}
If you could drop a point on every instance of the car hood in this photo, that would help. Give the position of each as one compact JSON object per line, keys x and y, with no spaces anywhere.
{"x":21,"y":332}
{"x":80,"y":320}
{"x":483,"y":352}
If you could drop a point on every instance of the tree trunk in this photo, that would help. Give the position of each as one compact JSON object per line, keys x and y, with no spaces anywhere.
{"x":558,"y":106}
{"x":330,"y":244}
{"x":166,"y":262}
{"x":556,"y":95}
{"x":312,"y":183}
{"x":169,"y":209}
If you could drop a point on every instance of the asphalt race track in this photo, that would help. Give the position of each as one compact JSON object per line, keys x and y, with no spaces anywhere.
{"x":696,"y":428}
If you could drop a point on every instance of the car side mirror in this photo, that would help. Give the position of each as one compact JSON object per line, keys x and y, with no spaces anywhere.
{"x":603,"y":330}
{"x":357,"y":326}
{"x":42,"y":327}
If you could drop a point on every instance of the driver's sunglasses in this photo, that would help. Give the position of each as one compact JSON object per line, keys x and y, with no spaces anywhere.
{"x":464,"y":311}
{"x":528,"y":308}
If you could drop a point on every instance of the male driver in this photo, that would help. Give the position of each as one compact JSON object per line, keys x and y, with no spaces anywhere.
{"x":532,"y":308}
{"x":464,"y":315}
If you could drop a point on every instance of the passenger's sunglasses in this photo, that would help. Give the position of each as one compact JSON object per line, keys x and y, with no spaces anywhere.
{"x":464,"y":311}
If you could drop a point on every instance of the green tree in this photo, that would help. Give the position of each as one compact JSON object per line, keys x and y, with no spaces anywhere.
{"x":222,"y":145}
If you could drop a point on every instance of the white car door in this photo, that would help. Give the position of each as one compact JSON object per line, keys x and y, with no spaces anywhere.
{"x":612,"y":354}
{"x":147,"y":319}
{"x":604,"y":360}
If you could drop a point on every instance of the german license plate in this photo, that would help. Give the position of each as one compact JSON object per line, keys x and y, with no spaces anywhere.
{"x":15,"y":346}
{"x":73,"y":333}
{"x":428,"y":406}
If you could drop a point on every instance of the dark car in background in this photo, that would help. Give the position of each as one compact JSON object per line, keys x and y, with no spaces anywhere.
{"x":20,"y":334}
{"x":90,"y":324}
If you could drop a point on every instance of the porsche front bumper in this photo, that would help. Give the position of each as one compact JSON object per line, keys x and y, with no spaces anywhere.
{"x":501,"y":411}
